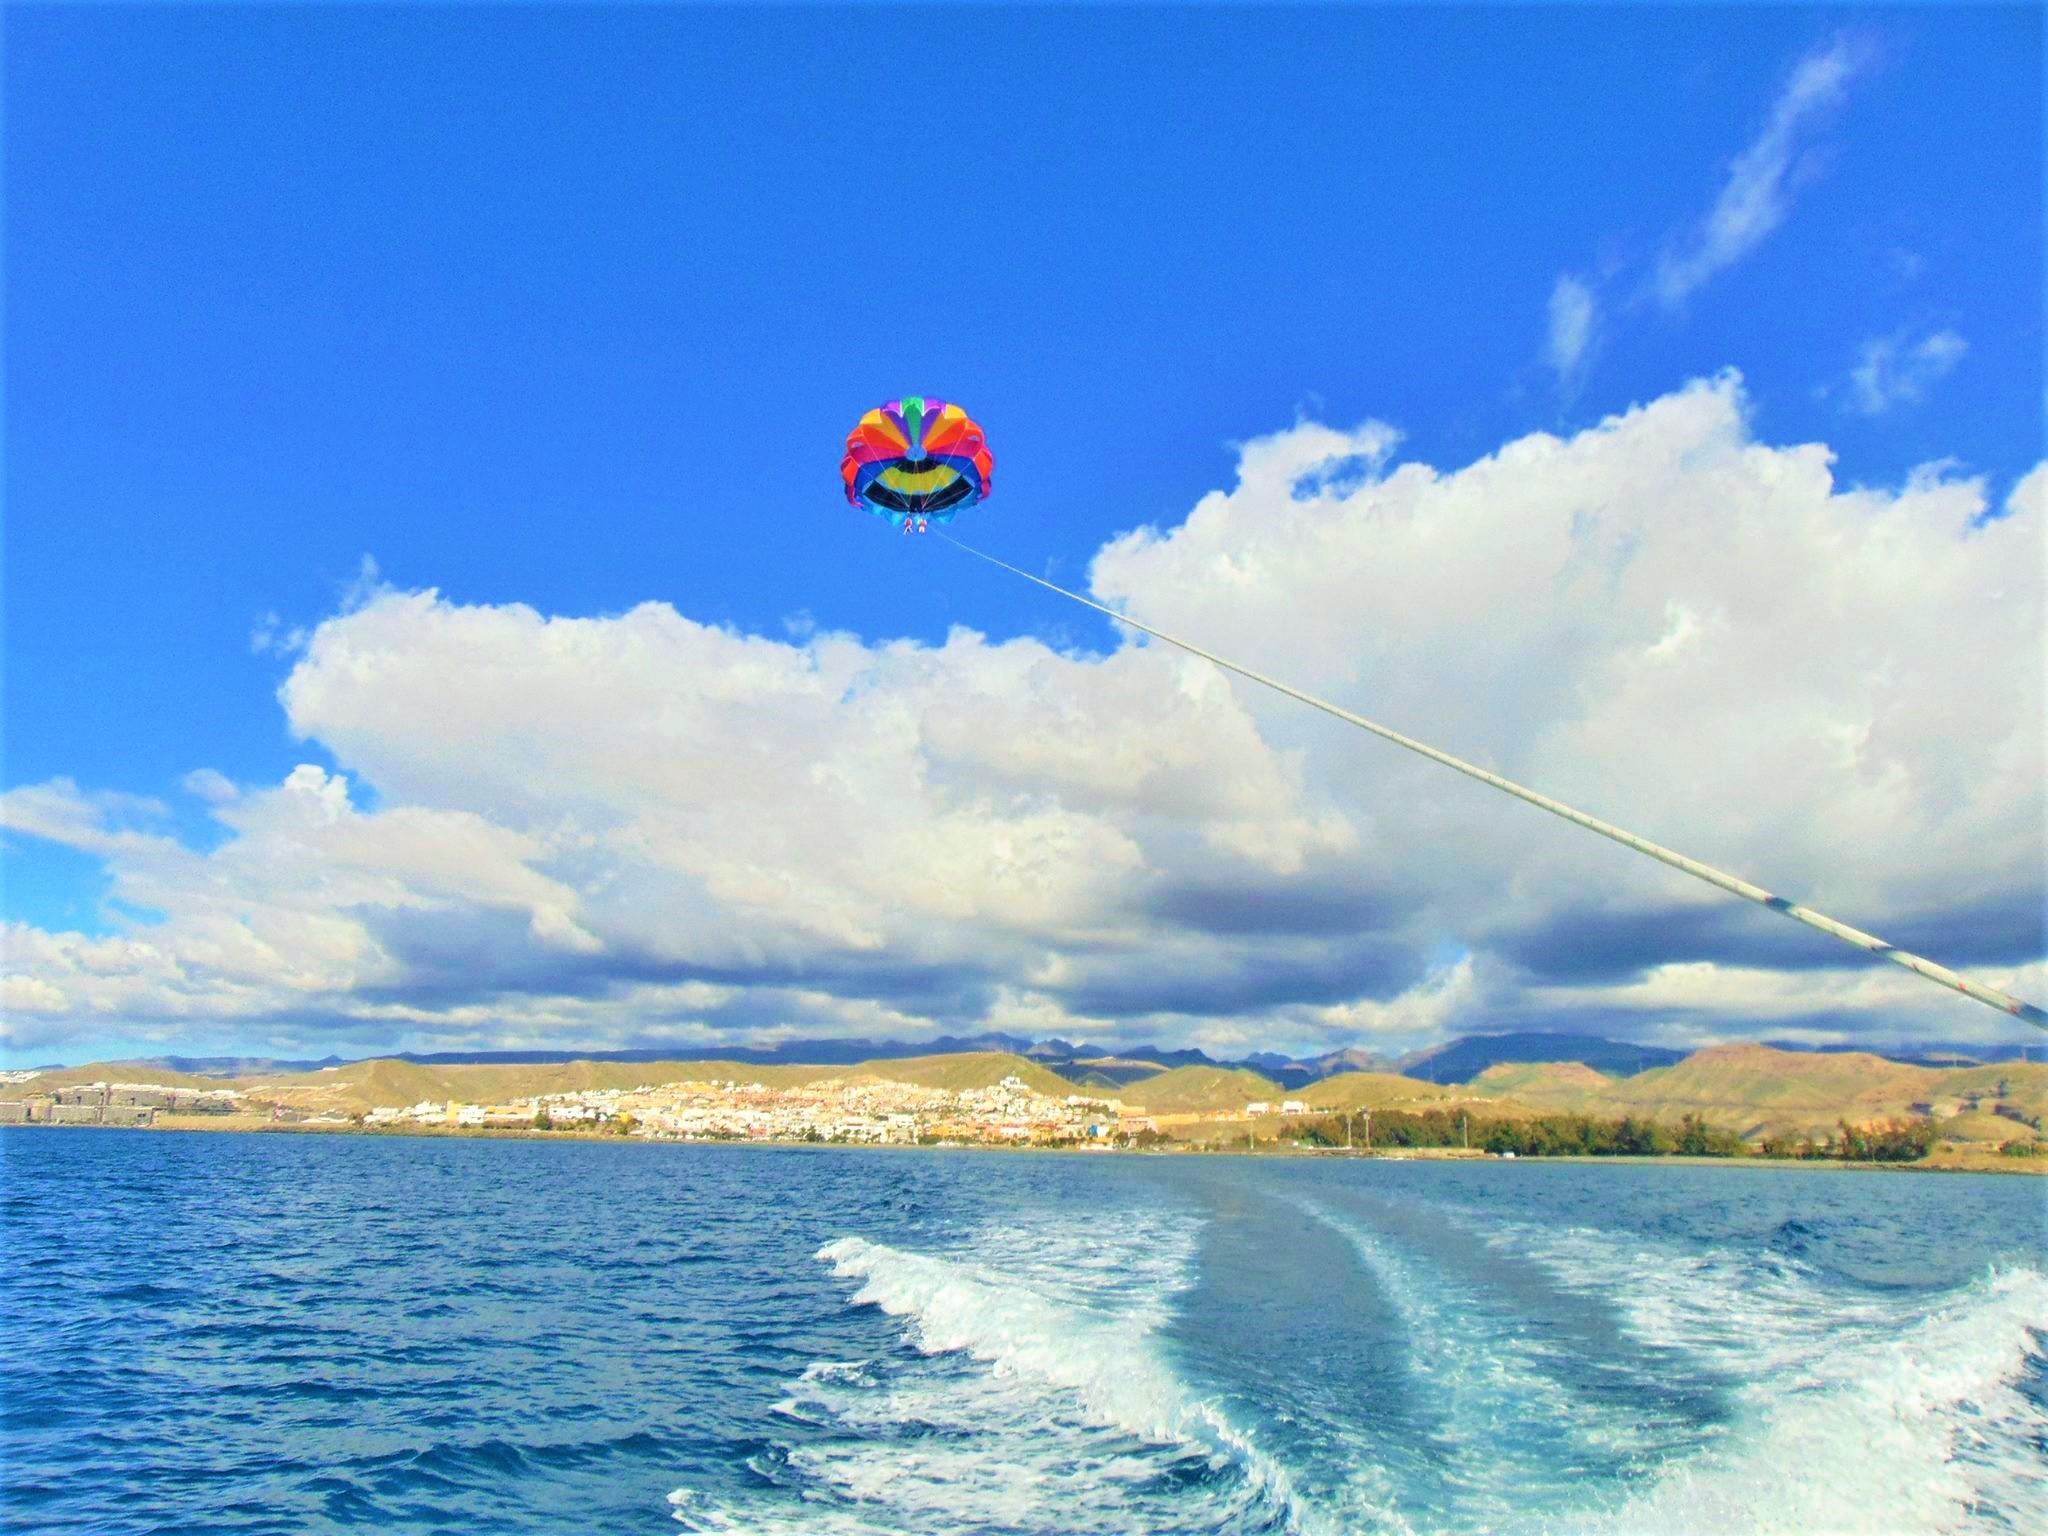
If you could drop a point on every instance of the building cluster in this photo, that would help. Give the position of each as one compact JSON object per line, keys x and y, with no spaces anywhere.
{"x":111,"y":1103}
{"x":867,"y":1111}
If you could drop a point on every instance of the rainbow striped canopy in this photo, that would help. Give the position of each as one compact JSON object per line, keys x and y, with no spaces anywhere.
{"x":916,"y":458}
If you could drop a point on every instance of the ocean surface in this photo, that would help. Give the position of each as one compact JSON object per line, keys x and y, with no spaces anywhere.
{"x":298,"y":1333}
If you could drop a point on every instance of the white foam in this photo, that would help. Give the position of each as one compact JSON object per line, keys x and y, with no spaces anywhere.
{"x":1749,"y":1312}
{"x":1921,"y":1431}
{"x":1040,"y":1394}
{"x":1040,"y":1397}
{"x":1105,"y":1363}
{"x":1514,"y":1437}
{"x":1859,"y":1412}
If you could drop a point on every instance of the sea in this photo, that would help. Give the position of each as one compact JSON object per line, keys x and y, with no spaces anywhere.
{"x":302,"y":1333}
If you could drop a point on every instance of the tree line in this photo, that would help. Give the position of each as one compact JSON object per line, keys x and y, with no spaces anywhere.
{"x":1569,"y":1135}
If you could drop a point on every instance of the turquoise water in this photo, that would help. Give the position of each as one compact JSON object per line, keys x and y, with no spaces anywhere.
{"x":307,"y":1333}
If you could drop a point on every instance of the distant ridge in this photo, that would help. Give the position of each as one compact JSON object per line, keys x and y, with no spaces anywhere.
{"x":1464,"y":1059}
{"x":241,"y":1066}
{"x":1083,"y":1063}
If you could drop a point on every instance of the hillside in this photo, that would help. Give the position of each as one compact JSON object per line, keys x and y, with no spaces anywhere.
{"x":1110,"y":1069}
{"x":2019,"y":1087}
{"x":1540,"y":1083}
{"x":114,"y":1072}
{"x":1757,"y":1090}
{"x":1199,"y":1090}
{"x":390,"y":1083}
{"x":1374,"y":1090}
{"x":973,"y":1069}
{"x":1463,"y":1059}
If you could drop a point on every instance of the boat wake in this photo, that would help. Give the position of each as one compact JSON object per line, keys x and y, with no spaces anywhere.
{"x":1857,"y":1413}
{"x":1523,"y":1380}
{"x":1024,"y":1394}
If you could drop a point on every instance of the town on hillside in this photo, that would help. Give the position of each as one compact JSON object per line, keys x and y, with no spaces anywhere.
{"x":1720,"y":1101}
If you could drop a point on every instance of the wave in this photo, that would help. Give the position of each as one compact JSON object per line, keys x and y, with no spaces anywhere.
{"x":1858,"y":1412}
{"x":1544,"y":1382}
{"x":1026,"y":1394}
{"x":1929,"y":1430}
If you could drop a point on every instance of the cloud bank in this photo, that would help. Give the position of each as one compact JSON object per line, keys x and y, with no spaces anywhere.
{"x":566,"y":830}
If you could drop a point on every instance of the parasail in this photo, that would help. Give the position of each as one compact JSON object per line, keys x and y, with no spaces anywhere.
{"x":916,"y":461}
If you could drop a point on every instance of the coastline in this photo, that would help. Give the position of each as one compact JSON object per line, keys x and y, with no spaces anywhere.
{"x":1953,"y":1162}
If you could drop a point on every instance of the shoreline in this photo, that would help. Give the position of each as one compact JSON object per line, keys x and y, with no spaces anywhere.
{"x":1955,"y":1163}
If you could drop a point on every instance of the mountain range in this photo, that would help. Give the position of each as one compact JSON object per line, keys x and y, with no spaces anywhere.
{"x":1456,"y":1061}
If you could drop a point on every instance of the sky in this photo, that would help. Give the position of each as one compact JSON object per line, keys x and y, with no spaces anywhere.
{"x":432,"y":621}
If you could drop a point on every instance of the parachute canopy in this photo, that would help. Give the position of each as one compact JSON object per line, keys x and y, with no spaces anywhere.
{"x":916,"y":459}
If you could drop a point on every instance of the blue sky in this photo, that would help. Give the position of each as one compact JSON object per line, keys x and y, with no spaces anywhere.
{"x":570,"y":308}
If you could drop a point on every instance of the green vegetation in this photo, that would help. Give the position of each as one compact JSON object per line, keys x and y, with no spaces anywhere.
{"x":1628,"y":1136}
{"x":1897,"y":1143}
{"x":1696,"y":1138}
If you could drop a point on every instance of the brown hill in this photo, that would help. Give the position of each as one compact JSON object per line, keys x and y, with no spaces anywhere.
{"x":388,"y":1083}
{"x":1538,"y":1082}
{"x":1983,"y":1125}
{"x":1756,"y":1091}
{"x":391,"y":1084}
{"x":1197,"y":1090}
{"x":113,"y":1072}
{"x":2017,"y":1087}
{"x":1375,"y":1090}
{"x":969,"y":1069}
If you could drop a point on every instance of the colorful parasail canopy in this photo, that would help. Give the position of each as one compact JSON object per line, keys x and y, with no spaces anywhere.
{"x":916,"y":460}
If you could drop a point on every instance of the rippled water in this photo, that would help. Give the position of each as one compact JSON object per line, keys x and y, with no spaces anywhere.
{"x":303,"y":1333}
